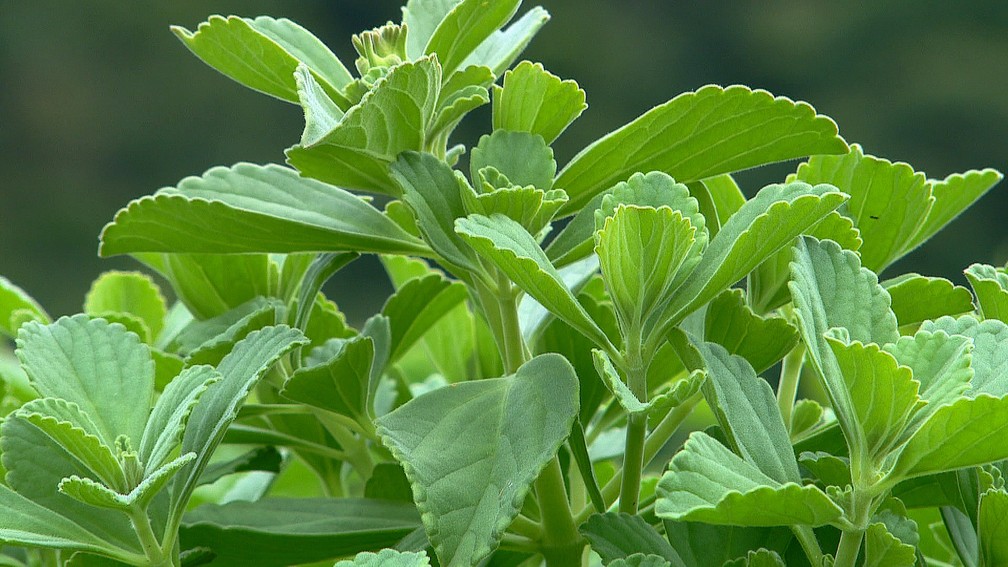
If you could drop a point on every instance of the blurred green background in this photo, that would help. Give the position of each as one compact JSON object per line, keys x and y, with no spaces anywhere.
{"x":100,"y":104}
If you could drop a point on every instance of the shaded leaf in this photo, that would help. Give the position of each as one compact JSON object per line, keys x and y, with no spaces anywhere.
{"x":340,"y":385}
{"x":705,"y":545}
{"x":758,"y":558}
{"x":416,"y":306}
{"x":762,"y":341}
{"x":534,"y":100}
{"x":617,"y":536}
{"x":641,"y":560}
{"x":882,"y":549}
{"x":168,"y":419}
{"x":24,"y":522}
{"x":209,"y":285}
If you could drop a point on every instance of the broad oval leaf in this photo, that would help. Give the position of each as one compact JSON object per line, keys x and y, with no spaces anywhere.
{"x":698,"y":135}
{"x":340,"y":385}
{"x":917,"y":298}
{"x":127,"y":292}
{"x":101,"y":367}
{"x":472,"y":450}
{"x":266,"y":205}
{"x":537,"y":101}
{"x":940,"y":362}
{"x":15,"y":303}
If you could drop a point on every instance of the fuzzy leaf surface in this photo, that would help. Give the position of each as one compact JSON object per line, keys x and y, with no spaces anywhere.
{"x":940,"y":363}
{"x":990,"y":339}
{"x":990,"y":285}
{"x":171,"y":412}
{"x":953,"y":195}
{"x":387,"y":558}
{"x":523,"y":158}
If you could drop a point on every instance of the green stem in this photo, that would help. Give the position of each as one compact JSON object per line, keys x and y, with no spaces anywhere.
{"x":526,"y":527}
{"x":156,"y":555}
{"x":561,"y":542}
{"x":633,"y":463}
{"x":847,"y":551}
{"x":787,"y":388}
{"x":806,"y":537}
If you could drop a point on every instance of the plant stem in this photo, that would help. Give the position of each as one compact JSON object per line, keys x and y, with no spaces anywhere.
{"x":847,"y":551}
{"x":806,"y":537}
{"x":633,"y":451}
{"x":561,"y":542}
{"x":526,"y":527}
{"x":156,"y":556}
{"x":787,"y":388}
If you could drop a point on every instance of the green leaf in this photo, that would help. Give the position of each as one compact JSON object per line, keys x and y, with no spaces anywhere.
{"x":536,"y":101}
{"x":24,"y":522}
{"x":940,"y":363}
{"x":990,"y":338}
{"x":882,"y":549}
{"x":267,"y":459}
{"x":171,"y":412}
{"x":432,"y":190}
{"x":515,"y":252}
{"x":618,"y":536}
{"x":641,"y":560}
{"x":246,"y":318}
{"x":452,"y":108}
{"x":275,"y":532}
{"x":762,"y":341}
{"x":262,"y":54}
{"x":765,"y":224}
{"x":530,"y":207}
{"x":708,"y":483}
{"x":321,"y":113}
{"x":888,"y":201}
{"x":422,"y":18}
{"x":465,"y":27}
{"x":102,"y":368}
{"x":387,"y":558}
{"x":917,"y":298}
{"x":504,"y":46}
{"x":418,"y":305}
{"x":829,"y":469}
{"x":263,"y":204}
{"x":240,"y":371}
{"x":523,"y":158}
{"x":642,"y":252}
{"x":993,"y":521}
{"x":534,"y":318}
{"x":746,"y":408}
{"x":67,"y":425}
{"x":953,"y":195}
{"x":14,"y":305}
{"x":971,"y":431}
{"x":704,"y":545}
{"x":883,"y":393}
{"x":393,"y":117}
{"x":211,"y":284}
{"x":831,"y":289}
{"x":127,"y":292}
{"x":698,"y":135}
{"x":990,"y":285}
{"x":340,"y":385}
{"x":471,"y":451}
{"x":759,"y":558}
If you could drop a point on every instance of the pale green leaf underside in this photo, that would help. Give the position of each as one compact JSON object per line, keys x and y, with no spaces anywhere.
{"x":698,"y":135}
{"x":990,"y":341}
{"x":471,"y":451}
{"x":882,"y":549}
{"x":102,"y":368}
{"x":940,"y":363}
{"x":917,"y":298}
{"x":990,"y":285}
{"x":888,"y":200}
{"x":422,"y":18}
{"x":340,"y":385}
{"x":765,"y":224}
{"x":515,"y":252}
{"x":14,"y":304}
{"x":321,"y":113}
{"x":504,"y":46}
{"x":265,"y":206}
{"x":417,"y":306}
{"x":393,"y":117}
{"x":708,"y":483}
{"x":127,"y":292}
{"x":386,"y":558}
{"x":537,"y":101}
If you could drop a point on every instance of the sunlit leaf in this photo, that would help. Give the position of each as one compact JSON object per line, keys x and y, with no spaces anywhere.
{"x":127,"y":292}
{"x":917,"y":298}
{"x":990,"y":285}
{"x":953,"y":195}
{"x":882,"y":549}
{"x":465,"y":27}
{"x":537,"y":101}
{"x":940,"y":363}
{"x":523,"y":158}
{"x":14,"y":304}
{"x":990,"y":339}
{"x":993,"y":521}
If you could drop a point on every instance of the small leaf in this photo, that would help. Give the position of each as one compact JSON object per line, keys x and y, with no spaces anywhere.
{"x":953,"y":195}
{"x":321,"y":112}
{"x":523,"y":158}
{"x":93,"y":493}
{"x":708,"y":483}
{"x":828,"y":469}
{"x":758,"y":558}
{"x":275,"y":532}
{"x":102,"y":368}
{"x":917,"y":298}
{"x":888,"y":201}
{"x":515,"y":252}
{"x":990,"y":339}
{"x":618,"y":536}
{"x":993,"y":520}
{"x":265,"y":205}
{"x":16,"y":307}
{"x":171,"y":412}
{"x":465,"y":27}
{"x":387,"y":558}
{"x":698,"y":135}
{"x":991,"y":288}
{"x":762,"y":341}
{"x":641,"y":560}
{"x":417,"y":306}
{"x":226,"y":330}
{"x":127,"y":292}
{"x":537,"y":101}
{"x":454,"y":107}
{"x":504,"y":46}
{"x":882,"y":549}
{"x":472,"y":450}
{"x":340,"y":385}
{"x":393,"y":117}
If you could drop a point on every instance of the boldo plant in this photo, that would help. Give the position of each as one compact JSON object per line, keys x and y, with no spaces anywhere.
{"x":554,"y":333}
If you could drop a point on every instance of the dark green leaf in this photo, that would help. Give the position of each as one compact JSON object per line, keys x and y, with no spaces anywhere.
{"x":616,"y":536}
{"x":762,"y":341}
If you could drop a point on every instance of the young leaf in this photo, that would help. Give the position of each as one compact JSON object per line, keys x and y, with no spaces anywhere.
{"x":990,"y":339}
{"x":417,"y":306}
{"x":762,"y":341}
{"x":917,"y":298}
{"x":16,"y":307}
{"x":990,"y":285}
{"x":471,"y":451}
{"x":432,"y":190}
{"x":765,"y":224}
{"x":340,"y":385}
{"x":641,"y":560}
{"x":616,"y":536}
{"x":275,"y":532}
{"x":321,"y":112}
{"x":993,"y":520}
{"x":953,"y":195}
{"x":127,"y":292}
{"x":708,"y":483}
{"x":101,"y":368}
{"x":504,"y":46}
{"x":387,"y":558}
{"x":698,"y":135}
{"x":940,"y":363}
{"x":171,"y":412}
{"x":523,"y":158}
{"x":465,"y":27}
{"x":254,"y":315}
{"x":393,"y":117}
{"x":536,"y":101}
{"x":265,"y":205}
{"x":515,"y":252}
{"x":882,"y":549}
{"x":262,"y":54}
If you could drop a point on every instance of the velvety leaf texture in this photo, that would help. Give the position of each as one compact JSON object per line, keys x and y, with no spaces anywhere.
{"x":990,"y":339}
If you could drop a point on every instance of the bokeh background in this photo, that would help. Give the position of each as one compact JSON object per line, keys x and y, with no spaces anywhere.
{"x":100,"y":104}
